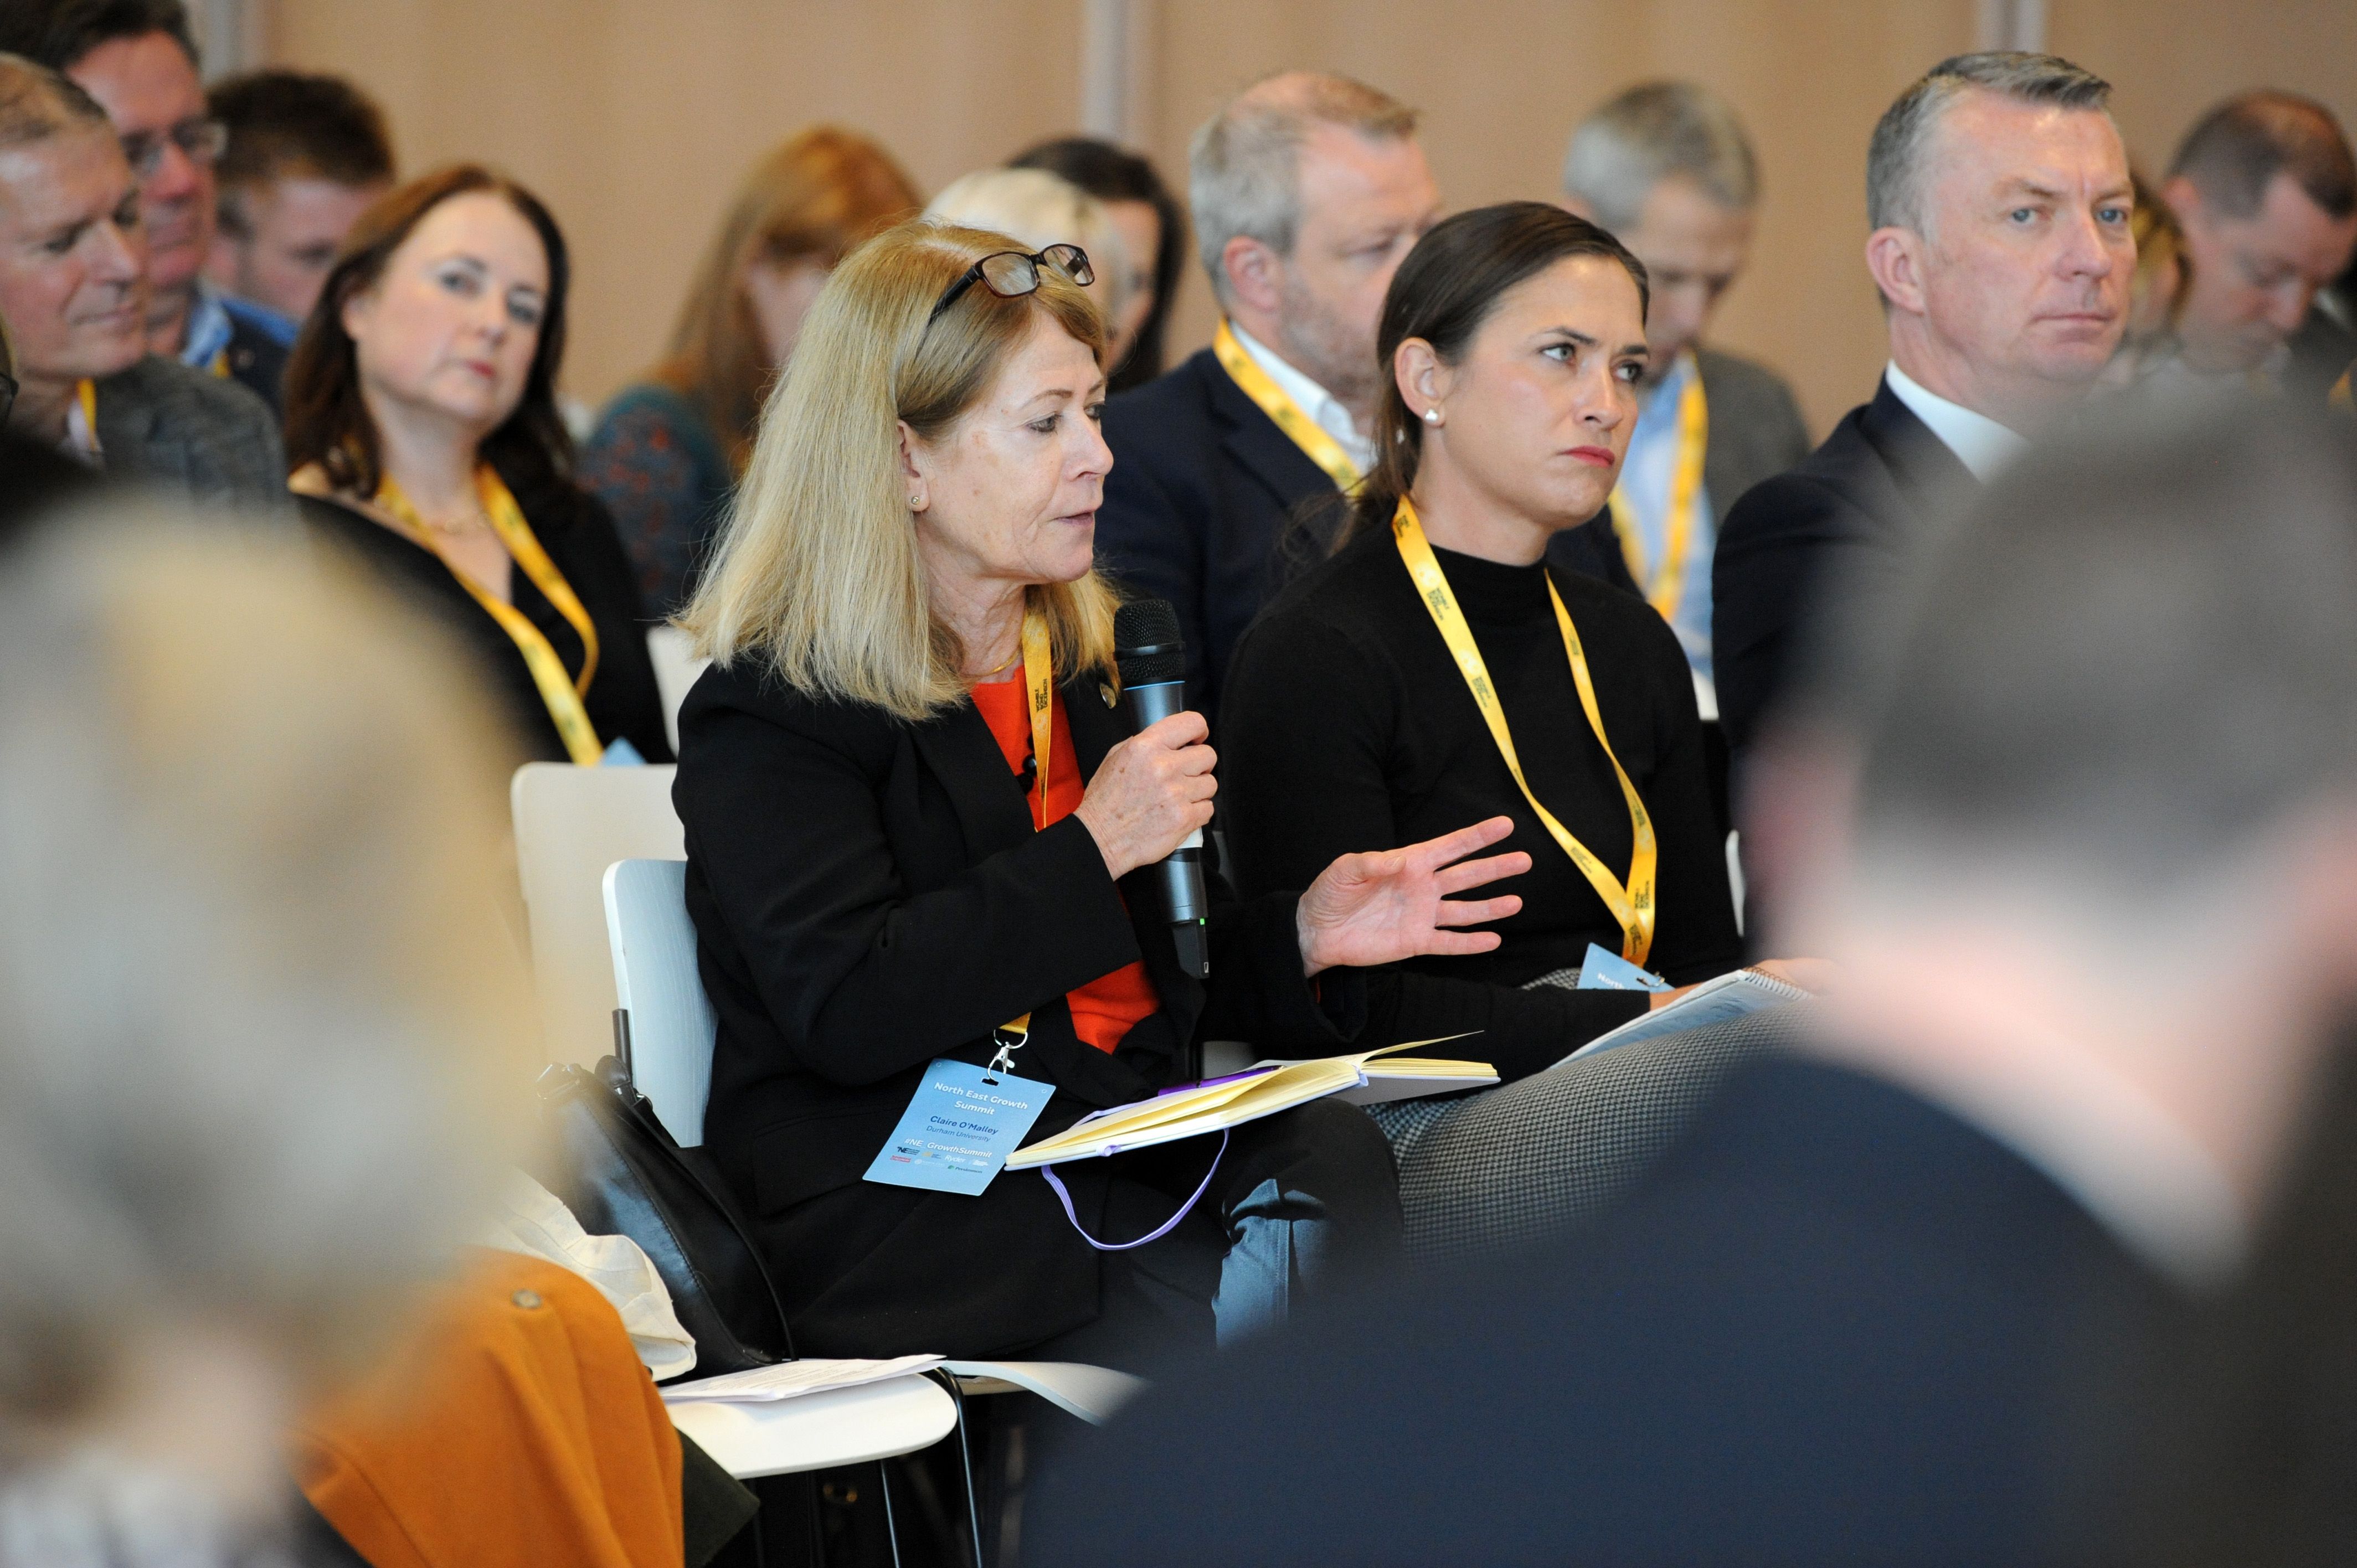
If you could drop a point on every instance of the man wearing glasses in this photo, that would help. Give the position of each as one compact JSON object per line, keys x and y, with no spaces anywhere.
{"x":138,"y":60}
{"x":72,"y":254}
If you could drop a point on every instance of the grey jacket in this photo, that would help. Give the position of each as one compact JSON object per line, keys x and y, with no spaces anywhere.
{"x":209,"y":438}
{"x":1756,"y":429}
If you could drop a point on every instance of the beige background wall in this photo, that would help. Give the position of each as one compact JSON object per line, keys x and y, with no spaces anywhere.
{"x":633,"y":117}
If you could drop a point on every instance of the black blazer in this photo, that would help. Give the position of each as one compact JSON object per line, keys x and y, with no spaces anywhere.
{"x":1835,"y":1324}
{"x":869,"y":895}
{"x":257,"y":361}
{"x":1836,"y":523}
{"x":573,"y":528}
{"x":1202,"y":489}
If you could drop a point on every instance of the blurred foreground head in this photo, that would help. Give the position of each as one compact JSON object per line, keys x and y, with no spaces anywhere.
{"x":2088,"y":783}
{"x":259,"y":1010}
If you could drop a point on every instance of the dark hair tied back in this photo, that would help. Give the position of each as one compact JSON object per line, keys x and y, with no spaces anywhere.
{"x":1442,"y":293}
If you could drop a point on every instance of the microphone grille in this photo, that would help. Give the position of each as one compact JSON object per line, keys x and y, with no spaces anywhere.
{"x":1147,"y":643}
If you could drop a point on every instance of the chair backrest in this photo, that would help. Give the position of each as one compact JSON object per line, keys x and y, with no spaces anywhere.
{"x":655,"y":975}
{"x":571,"y":824}
{"x":673,"y":652}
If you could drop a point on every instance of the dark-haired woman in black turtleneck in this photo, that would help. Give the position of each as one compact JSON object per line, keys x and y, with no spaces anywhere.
{"x":1378,"y":699}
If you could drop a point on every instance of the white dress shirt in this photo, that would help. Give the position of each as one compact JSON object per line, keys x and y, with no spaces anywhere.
{"x":1980,"y":443}
{"x":1315,"y":400}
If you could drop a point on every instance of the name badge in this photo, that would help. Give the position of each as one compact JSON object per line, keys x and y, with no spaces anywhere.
{"x":959,"y":1129}
{"x":1604,"y":970}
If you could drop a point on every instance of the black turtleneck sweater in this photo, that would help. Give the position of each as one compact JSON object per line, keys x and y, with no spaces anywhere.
{"x":1344,"y":725}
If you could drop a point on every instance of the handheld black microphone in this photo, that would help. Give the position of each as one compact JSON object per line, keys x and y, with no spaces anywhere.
{"x":1153,"y":660}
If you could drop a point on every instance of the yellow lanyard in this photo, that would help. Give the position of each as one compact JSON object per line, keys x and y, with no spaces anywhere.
{"x":1303,"y":431}
{"x":1631,"y":906}
{"x":86,"y":393}
{"x":1039,"y":688}
{"x":559,"y":691}
{"x":1665,"y":589}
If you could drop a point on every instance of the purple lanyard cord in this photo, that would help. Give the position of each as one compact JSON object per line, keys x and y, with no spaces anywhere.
{"x":1164,"y":1228}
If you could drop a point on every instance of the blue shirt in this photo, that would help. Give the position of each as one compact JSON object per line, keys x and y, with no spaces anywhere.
{"x":1647,"y":477}
{"x":208,"y":329}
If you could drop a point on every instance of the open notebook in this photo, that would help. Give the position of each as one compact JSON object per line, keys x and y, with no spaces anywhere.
{"x":1263,"y":1089}
{"x":1718,"y":1000}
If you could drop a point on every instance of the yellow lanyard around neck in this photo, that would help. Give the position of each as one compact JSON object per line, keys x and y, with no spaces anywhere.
{"x":1040,"y":691}
{"x":1039,"y":688}
{"x":1288,"y":415}
{"x":86,"y":394}
{"x":1664,"y":589}
{"x":1631,"y":904}
{"x":559,"y":691}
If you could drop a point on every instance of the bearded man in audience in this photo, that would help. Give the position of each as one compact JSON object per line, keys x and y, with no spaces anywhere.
{"x":71,"y":253}
{"x":1308,"y":191}
{"x":1998,"y":188}
{"x":2265,"y":189}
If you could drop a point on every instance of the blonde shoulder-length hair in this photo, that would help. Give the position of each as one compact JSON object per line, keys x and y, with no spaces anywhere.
{"x":816,"y":571}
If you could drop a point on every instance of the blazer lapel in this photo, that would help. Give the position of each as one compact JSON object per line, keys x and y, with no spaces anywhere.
{"x":1258,"y":447}
{"x":126,"y":430}
{"x":1925,"y":470}
{"x":988,"y":801}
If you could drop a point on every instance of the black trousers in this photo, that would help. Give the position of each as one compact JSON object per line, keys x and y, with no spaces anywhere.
{"x":1325,"y":1167}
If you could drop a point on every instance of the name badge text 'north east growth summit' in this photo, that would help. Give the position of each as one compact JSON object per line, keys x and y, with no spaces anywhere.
{"x":960,"y":1126}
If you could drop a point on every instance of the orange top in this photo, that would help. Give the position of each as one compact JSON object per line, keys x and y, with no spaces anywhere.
{"x":1106,"y":1008}
{"x":516,"y":1425}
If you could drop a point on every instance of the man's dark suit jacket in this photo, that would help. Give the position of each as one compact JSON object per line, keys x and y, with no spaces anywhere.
{"x":1203,"y":487}
{"x":1836,"y":524}
{"x":257,"y":361}
{"x":869,"y":894}
{"x":1837,"y":1325}
{"x":207,"y":439}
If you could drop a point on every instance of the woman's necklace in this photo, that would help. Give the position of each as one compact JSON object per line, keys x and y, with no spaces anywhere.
{"x":1002,"y":667}
{"x":476,"y":522}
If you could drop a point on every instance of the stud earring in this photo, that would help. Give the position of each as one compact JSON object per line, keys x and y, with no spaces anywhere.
{"x":1432,"y":417}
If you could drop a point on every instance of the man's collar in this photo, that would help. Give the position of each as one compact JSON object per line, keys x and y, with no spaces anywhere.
{"x":1314,"y":400}
{"x":1980,"y":443}
{"x":209,"y":328}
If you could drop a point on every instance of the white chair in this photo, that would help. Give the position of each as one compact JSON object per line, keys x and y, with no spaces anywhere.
{"x":655,"y":981}
{"x":571,"y":824}
{"x":819,"y":1432}
{"x":670,"y":1028}
{"x":673,"y":652}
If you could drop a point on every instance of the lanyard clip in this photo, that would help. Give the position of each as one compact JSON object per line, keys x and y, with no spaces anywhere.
{"x":1011,"y":1037}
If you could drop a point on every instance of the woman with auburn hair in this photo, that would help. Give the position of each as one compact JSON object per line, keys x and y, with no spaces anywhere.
{"x":424,"y":435}
{"x":911,"y":800}
{"x":668,"y":449}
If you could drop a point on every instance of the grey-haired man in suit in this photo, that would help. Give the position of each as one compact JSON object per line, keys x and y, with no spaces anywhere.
{"x":72,"y":289}
{"x":1668,"y":167}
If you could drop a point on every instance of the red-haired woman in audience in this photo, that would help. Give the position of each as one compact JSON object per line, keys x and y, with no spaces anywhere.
{"x":669,"y":449}
{"x":423,"y":430}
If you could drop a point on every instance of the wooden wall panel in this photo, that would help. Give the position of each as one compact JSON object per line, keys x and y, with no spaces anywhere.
{"x":634,"y":118}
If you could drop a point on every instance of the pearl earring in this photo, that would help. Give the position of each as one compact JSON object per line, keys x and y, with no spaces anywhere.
{"x":1432,"y":417}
